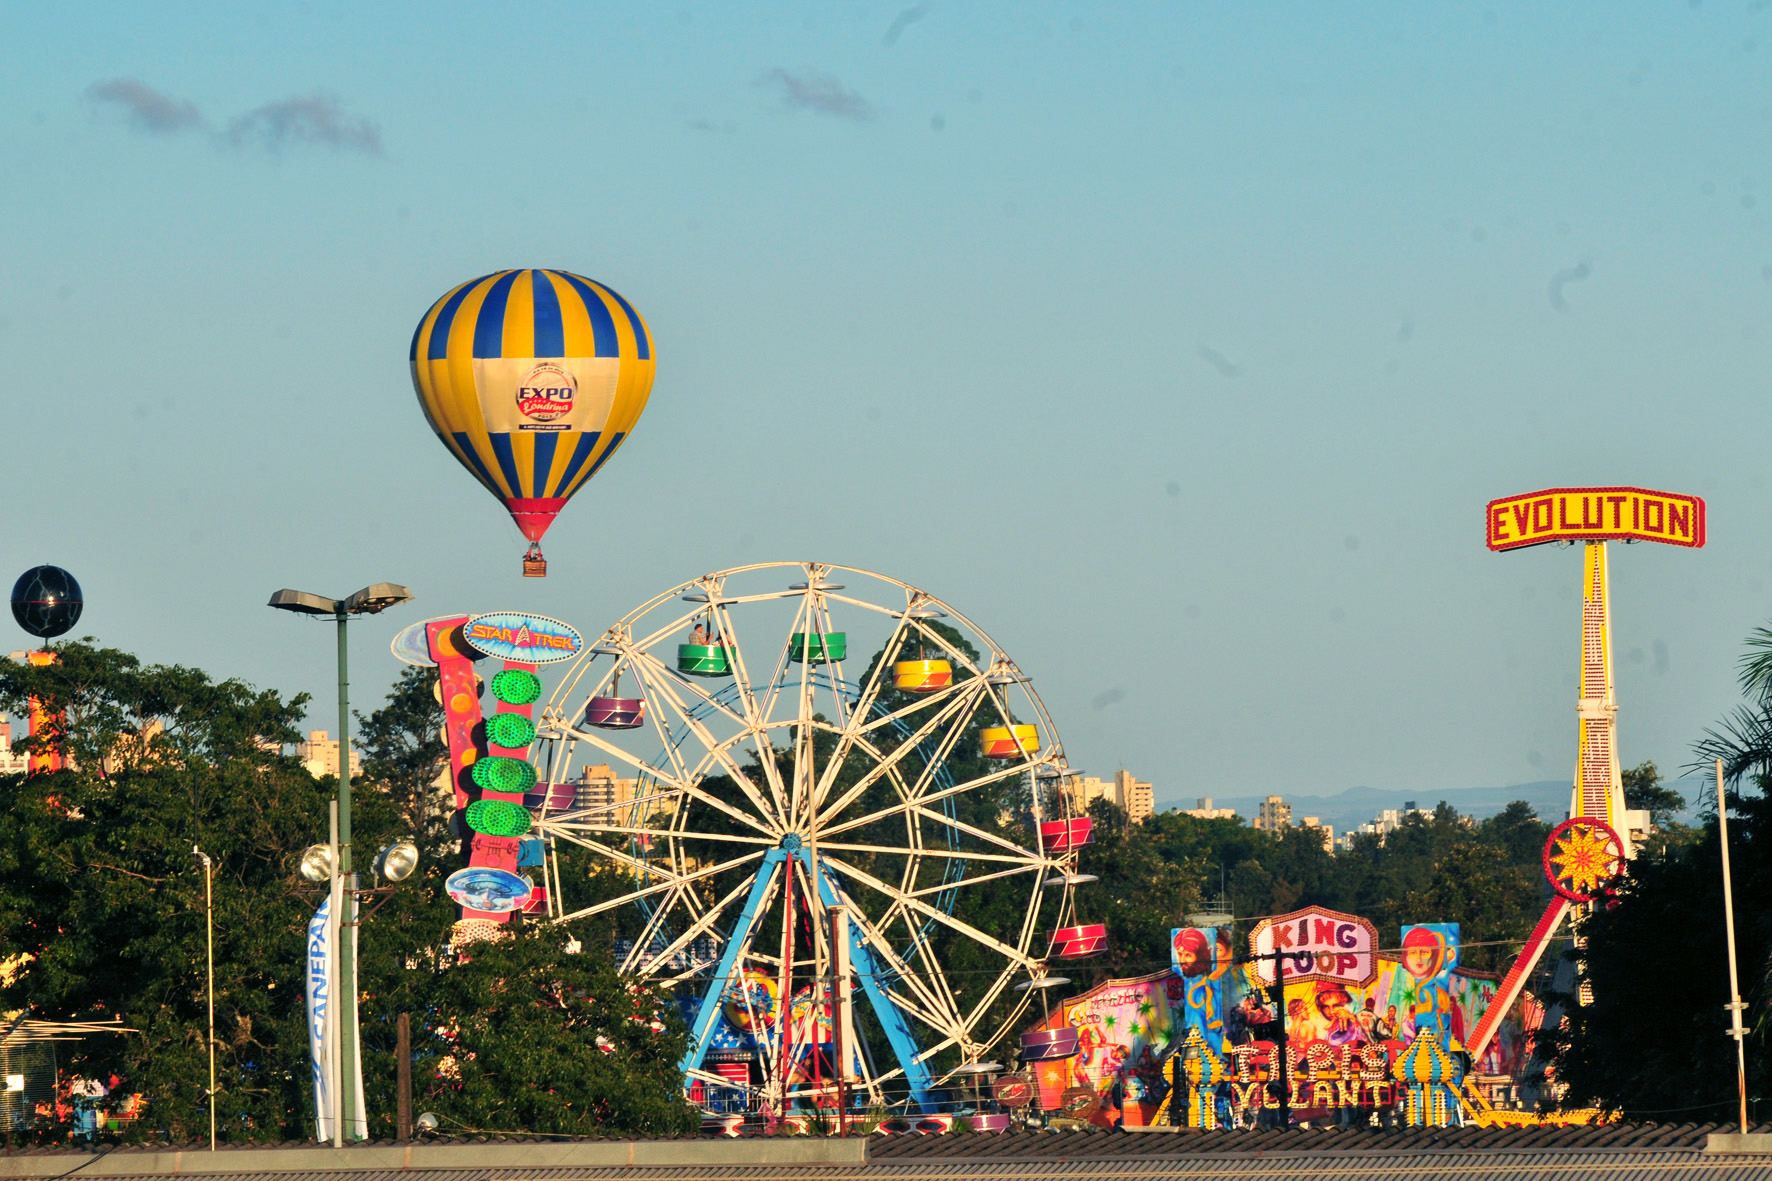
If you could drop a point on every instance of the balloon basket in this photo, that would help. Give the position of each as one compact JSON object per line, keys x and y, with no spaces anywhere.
{"x":534,"y":565}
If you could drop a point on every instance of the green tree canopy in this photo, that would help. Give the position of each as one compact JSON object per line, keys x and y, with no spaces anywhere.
{"x":98,"y":887}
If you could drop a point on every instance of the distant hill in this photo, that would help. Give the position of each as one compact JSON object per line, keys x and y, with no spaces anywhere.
{"x":1359,"y":805}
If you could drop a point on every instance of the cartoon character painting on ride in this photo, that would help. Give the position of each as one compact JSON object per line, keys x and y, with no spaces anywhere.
{"x":532,"y":379}
{"x":1202,"y":958}
{"x":1422,"y":991}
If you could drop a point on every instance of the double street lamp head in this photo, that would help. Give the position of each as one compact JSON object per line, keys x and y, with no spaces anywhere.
{"x":371,"y":600}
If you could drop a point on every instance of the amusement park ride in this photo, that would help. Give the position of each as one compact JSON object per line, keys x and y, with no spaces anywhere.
{"x":776,"y":830}
{"x":1587,"y":852}
{"x":792,"y":829}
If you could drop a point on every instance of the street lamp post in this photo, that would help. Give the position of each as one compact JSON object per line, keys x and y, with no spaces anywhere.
{"x":371,"y":600}
{"x":209,"y":918}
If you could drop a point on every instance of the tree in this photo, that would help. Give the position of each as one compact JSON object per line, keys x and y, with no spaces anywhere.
{"x":1643,"y":789}
{"x":1630,"y":1050}
{"x":519,"y":1035}
{"x":404,"y":751}
{"x":98,"y":887}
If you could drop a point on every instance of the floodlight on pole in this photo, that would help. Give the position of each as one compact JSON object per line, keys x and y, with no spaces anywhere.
{"x":371,"y":600}
{"x":397,"y":861}
{"x":318,"y":863}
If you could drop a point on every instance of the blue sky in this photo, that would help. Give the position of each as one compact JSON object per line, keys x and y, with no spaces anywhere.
{"x":1179,"y":345}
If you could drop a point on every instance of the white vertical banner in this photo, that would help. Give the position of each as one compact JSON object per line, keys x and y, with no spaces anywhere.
{"x":322,"y":1042}
{"x":359,"y":1121}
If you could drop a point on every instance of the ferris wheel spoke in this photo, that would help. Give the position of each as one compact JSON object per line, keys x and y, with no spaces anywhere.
{"x":755,"y":720}
{"x":923,"y":703}
{"x":1016,"y":1014}
{"x":821,"y":608}
{"x":779,"y":679}
{"x":654,"y":923}
{"x":930,"y":854}
{"x":569,"y":825}
{"x":705,"y":922}
{"x":970,"y":880}
{"x":672,"y":881}
{"x":616,"y":752}
{"x":936,"y":913}
{"x":667,"y":680}
{"x":893,"y":757}
{"x":726,"y":761}
{"x":932,"y":972}
{"x":926,"y":1003}
{"x":853,"y":720}
{"x":913,"y":800}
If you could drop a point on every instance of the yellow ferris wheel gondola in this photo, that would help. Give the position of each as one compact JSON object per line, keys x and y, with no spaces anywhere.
{"x":532,"y":379}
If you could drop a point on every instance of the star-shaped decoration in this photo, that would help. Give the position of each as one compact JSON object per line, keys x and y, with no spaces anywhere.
{"x":1582,"y":855}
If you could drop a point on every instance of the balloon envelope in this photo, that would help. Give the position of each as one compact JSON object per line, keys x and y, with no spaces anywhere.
{"x":532,"y":379}
{"x":46,"y":601}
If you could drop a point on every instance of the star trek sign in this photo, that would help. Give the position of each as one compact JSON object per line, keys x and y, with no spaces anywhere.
{"x":527,"y":639}
{"x":1594,"y":514}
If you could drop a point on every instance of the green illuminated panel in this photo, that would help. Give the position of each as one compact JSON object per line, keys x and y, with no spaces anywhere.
{"x":498,"y":773}
{"x":509,"y":730}
{"x":498,"y":818}
{"x":516,"y":686}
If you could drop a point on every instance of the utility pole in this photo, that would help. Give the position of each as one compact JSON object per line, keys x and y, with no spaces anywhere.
{"x":403,"y":1079}
{"x":346,"y":997}
{"x":1735,"y":1005}
{"x":1285,"y":1050}
{"x":209,"y":923}
{"x":1283,"y":1046}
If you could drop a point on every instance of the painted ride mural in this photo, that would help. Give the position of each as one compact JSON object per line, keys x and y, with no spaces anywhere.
{"x":1353,"y":1012}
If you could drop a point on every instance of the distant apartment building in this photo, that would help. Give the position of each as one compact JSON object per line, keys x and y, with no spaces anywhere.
{"x":1131,"y":795}
{"x":1134,"y":796}
{"x":598,"y":787}
{"x":319,"y":754}
{"x":1387,"y":821}
{"x":11,"y":762}
{"x":1326,"y":831}
{"x":1203,"y":810}
{"x":1273,"y":815}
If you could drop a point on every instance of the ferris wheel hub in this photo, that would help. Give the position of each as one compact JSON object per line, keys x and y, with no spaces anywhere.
{"x":792,"y":842}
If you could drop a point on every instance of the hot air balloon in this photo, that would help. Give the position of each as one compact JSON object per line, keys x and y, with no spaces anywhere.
{"x":532,"y":379}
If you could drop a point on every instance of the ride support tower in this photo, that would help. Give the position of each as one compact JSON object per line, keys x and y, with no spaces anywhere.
{"x":1588,"y":851}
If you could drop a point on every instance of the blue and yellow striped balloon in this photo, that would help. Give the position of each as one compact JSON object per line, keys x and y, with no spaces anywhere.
{"x":532,"y":379}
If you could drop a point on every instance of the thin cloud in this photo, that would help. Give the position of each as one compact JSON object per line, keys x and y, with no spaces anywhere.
{"x":1562,"y":279}
{"x":149,"y":110}
{"x":903,"y":21}
{"x":820,"y":93}
{"x":310,"y":119}
{"x":1219,"y":361}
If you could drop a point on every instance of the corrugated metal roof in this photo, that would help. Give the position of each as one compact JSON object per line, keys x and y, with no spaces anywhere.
{"x":1615,"y":1152}
{"x":1098,"y":1142}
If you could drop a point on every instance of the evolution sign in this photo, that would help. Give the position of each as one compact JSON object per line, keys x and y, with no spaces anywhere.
{"x":1317,"y":944}
{"x":1594,"y":514}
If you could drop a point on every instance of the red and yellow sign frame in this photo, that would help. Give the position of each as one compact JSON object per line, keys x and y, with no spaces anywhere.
{"x":1594,"y":514}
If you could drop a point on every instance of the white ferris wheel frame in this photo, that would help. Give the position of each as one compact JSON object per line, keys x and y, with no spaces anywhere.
{"x":786,"y":799}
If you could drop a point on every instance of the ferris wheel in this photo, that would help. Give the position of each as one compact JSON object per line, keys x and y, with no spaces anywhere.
{"x":774,"y":780}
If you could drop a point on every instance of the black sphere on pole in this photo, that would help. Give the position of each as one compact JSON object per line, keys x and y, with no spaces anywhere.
{"x":46,"y":601}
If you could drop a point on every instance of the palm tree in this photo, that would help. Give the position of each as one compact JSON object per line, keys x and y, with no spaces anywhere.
{"x":1743,"y":739}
